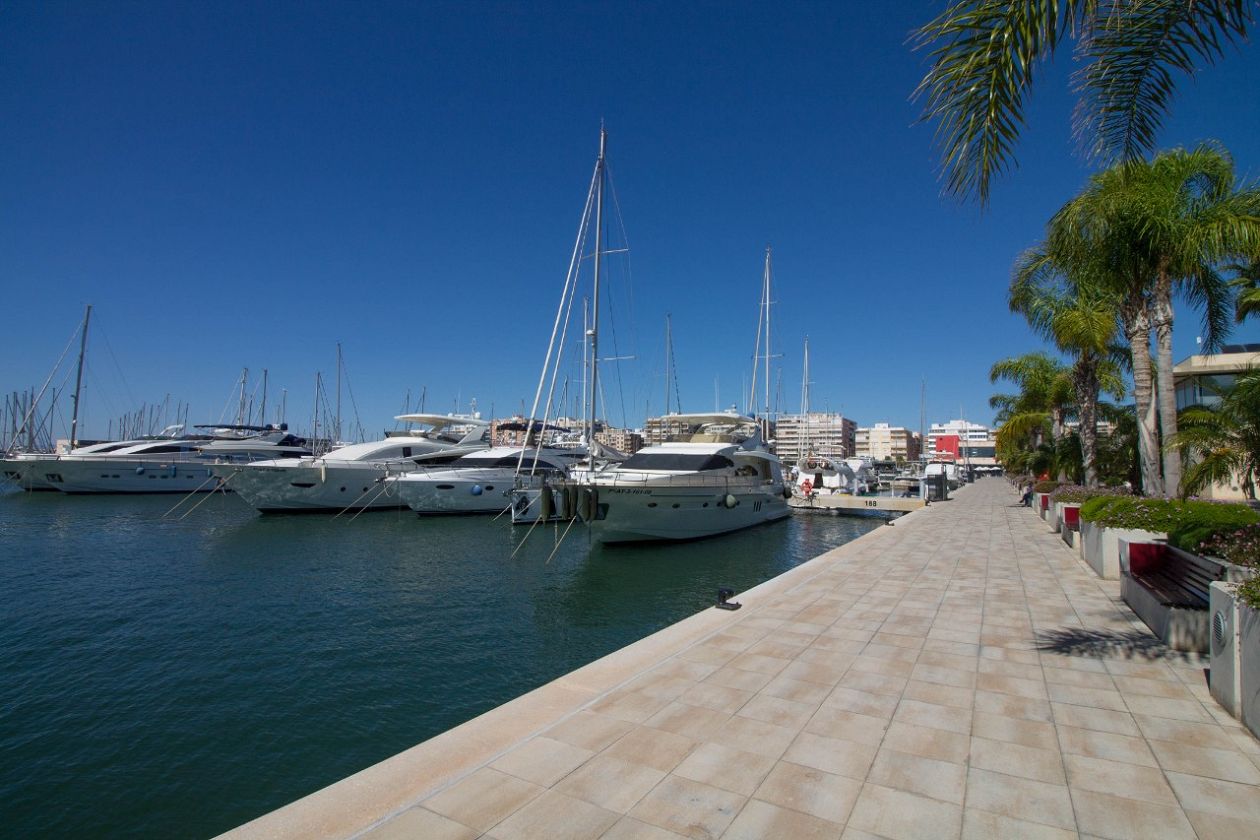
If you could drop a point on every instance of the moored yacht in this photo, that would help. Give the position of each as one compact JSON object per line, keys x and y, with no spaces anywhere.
{"x":353,"y":477}
{"x":169,"y":463}
{"x":721,"y":478}
{"x":483,"y":481}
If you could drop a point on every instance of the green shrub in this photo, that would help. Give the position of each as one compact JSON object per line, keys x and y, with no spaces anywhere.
{"x":1249,"y":592}
{"x":1187,"y":524}
{"x":1045,"y":486}
{"x":1076,"y":494}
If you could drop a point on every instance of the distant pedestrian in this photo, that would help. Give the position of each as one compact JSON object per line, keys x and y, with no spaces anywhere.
{"x":1026,"y":499}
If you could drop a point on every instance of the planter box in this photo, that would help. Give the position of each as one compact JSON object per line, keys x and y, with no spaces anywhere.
{"x":1225,"y":673}
{"x":1249,"y":665}
{"x":1100,"y":547}
{"x":1067,"y":516}
{"x":1041,"y":503}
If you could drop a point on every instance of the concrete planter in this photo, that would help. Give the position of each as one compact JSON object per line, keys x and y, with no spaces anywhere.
{"x":1067,"y":516}
{"x":1249,"y":666}
{"x":1101,"y":547}
{"x":1225,"y":673}
{"x":1041,"y":503}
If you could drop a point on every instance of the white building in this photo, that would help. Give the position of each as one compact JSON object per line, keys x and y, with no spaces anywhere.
{"x":818,"y":433}
{"x":884,"y":442}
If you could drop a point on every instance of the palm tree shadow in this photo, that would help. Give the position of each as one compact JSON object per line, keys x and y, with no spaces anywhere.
{"x":1107,"y":644}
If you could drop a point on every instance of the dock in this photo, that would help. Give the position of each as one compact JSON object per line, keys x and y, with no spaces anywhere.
{"x":844,"y":502}
{"x":961,"y":673}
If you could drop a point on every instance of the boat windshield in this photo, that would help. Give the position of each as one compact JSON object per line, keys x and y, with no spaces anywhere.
{"x":676,"y":462}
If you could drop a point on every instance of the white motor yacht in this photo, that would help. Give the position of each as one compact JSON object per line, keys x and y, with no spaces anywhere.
{"x":353,"y":477}
{"x":721,"y":479}
{"x":169,"y":463}
{"x":483,"y":481}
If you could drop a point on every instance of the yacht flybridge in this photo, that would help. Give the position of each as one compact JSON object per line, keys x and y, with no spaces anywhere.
{"x":718,"y":478}
{"x":352,"y":477}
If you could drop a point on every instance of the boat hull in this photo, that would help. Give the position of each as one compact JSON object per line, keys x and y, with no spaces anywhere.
{"x":673,"y":513}
{"x":88,"y":475}
{"x":313,"y":487}
{"x":469,"y":491}
{"x":27,"y":471}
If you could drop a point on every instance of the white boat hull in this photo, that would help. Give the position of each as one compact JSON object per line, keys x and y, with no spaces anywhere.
{"x":654,"y":513}
{"x":27,"y":471}
{"x":74,"y":475}
{"x":317,"y":487}
{"x":465,"y":491}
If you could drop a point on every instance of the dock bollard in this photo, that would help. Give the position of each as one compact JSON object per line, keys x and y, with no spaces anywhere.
{"x":724,"y":602}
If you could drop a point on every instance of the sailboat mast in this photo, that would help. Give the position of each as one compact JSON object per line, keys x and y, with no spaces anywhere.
{"x":338,"y":431}
{"x":593,"y":330}
{"x":765,"y":418}
{"x":669,"y":343}
{"x":262,"y":411}
{"x":240,"y":409}
{"x":78,"y":378}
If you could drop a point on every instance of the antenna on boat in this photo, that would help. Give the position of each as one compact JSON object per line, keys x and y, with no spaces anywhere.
{"x":78,"y":378}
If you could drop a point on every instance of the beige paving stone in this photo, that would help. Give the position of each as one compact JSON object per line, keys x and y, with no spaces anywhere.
{"x":1191,"y":710}
{"x":1229,"y":765}
{"x":610,"y":782}
{"x":759,"y":820}
{"x":651,"y":748}
{"x":1010,"y":705}
{"x":707,"y":654}
{"x":758,"y":664}
{"x":695,"y":722}
{"x":1106,"y":745}
{"x":982,"y":825}
{"x":735,"y":678}
{"x":556,"y":817}
{"x":778,"y":711}
{"x":815,"y":672}
{"x":543,"y":761}
{"x":833,"y":755}
{"x":726,"y":768}
{"x":1093,"y":698}
{"x":874,"y":683}
{"x":630,"y":706}
{"x":717,"y":697}
{"x":754,"y":736}
{"x":1100,"y":720}
{"x":816,"y":792}
{"x":926,"y":742}
{"x":878,"y":665}
{"x":948,"y":658}
{"x":1084,"y":679}
{"x":775,"y":648}
{"x":689,"y":808}
{"x":1215,"y":796}
{"x":898,"y":815}
{"x":942,"y":695}
{"x":1017,"y":760}
{"x":1130,"y":781}
{"x":798,"y":691}
{"x":1030,"y":733}
{"x":420,"y":822}
{"x":1153,"y":688}
{"x":1217,"y":825}
{"x":929,"y":777}
{"x":483,"y":799}
{"x":628,"y":828}
{"x":942,"y":675}
{"x":934,"y":716}
{"x":1205,"y":735}
{"x":589,"y":730}
{"x":861,"y":702}
{"x":850,"y":726}
{"x":1025,"y":799}
{"x":1128,"y":819}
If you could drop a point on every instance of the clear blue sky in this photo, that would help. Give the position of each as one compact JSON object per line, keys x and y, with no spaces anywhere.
{"x":247,"y":184}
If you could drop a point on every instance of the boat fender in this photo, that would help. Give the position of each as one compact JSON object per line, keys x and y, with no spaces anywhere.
{"x":522,"y":505}
{"x":547,"y":503}
{"x":570,"y":501}
{"x":139,"y":470}
{"x":475,"y":490}
{"x":730,"y":501}
{"x":787,"y":492}
{"x":586,"y":504}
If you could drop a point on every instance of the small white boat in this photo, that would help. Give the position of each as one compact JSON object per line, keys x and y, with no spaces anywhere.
{"x":353,"y":477}
{"x":721,"y":479}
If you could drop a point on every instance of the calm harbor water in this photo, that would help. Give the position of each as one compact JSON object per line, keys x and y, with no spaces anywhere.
{"x":170,"y":678}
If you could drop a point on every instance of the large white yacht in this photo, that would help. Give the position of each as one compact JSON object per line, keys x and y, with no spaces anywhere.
{"x":482,"y":482}
{"x":169,"y":463}
{"x":720,"y":479}
{"x":353,"y":477}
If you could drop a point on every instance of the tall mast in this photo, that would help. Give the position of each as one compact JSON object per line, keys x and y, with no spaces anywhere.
{"x":240,"y":411}
{"x":765,"y":419}
{"x":262,"y":411}
{"x":669,"y":345}
{"x":593,"y":330}
{"x":338,"y":431}
{"x":78,"y":379}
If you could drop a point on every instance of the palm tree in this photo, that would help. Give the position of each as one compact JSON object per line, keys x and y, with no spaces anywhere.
{"x":984,"y":55}
{"x":1224,"y":440}
{"x":1064,"y":299}
{"x":1247,"y":281}
{"x":1183,"y":213}
{"x":1046,"y":393}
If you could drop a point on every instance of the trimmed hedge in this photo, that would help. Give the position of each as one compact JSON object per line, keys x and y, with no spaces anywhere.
{"x":1076,"y":494}
{"x":1045,"y":486}
{"x":1187,"y":523}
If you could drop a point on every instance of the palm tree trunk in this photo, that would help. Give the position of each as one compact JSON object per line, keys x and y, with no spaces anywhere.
{"x":1085,"y":378}
{"x":1057,"y":431}
{"x":1137,"y":329}
{"x":1166,"y":389}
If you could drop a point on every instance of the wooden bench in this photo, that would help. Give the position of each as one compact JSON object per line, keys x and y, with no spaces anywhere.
{"x":1169,"y":589}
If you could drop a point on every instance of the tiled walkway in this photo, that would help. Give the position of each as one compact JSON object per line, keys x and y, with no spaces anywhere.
{"x":962,"y":673}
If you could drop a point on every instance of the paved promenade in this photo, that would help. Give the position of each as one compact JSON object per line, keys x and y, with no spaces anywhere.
{"x":960,"y":674}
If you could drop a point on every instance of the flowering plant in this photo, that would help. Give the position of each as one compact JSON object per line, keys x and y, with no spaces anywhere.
{"x":1241,"y":547}
{"x":1076,"y":494}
